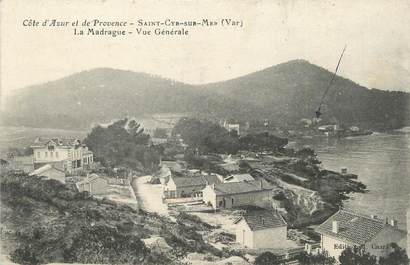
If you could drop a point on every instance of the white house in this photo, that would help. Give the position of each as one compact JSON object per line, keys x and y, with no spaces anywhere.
{"x":261,"y":229}
{"x":94,"y":184}
{"x":233,"y":194}
{"x":186,"y":186}
{"x":347,"y":229}
{"x":69,"y":153}
{"x":50,"y":172}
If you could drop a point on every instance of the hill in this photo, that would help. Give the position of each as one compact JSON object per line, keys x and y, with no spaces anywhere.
{"x":285,"y":93}
{"x":103,"y":94}
{"x":292,"y":90}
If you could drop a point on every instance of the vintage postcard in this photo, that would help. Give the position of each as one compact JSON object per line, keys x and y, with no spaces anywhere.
{"x":205,"y":132}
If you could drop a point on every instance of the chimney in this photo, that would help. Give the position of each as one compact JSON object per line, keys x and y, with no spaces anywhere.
{"x":393,"y":223}
{"x":213,"y":186}
{"x":335,"y":227}
{"x":373,"y":216}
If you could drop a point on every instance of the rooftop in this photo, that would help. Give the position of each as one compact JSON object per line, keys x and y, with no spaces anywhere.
{"x":242,"y":187}
{"x":239,"y":178}
{"x":262,"y":219}
{"x":42,"y":141}
{"x":201,"y":180}
{"x":353,"y":227}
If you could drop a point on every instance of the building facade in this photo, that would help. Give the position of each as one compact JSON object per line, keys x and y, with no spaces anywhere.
{"x":261,"y":229}
{"x":234,"y":194}
{"x":369,"y":233}
{"x":188,"y":186}
{"x":71,"y":154}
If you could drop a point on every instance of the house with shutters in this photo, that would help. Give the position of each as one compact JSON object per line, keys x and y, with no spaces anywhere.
{"x":261,"y":229}
{"x":348,"y":229}
{"x":68,"y":153}
{"x":234,"y":194}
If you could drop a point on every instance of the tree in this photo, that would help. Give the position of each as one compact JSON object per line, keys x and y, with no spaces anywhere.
{"x":397,"y":257}
{"x":206,"y":136}
{"x":356,"y":256}
{"x":319,"y":259}
{"x":267,"y":258}
{"x":262,"y":141}
{"x":160,"y":133}
{"x":123,"y":143}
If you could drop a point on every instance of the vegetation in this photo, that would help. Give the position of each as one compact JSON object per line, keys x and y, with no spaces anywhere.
{"x":160,"y":133}
{"x":123,"y":143}
{"x":356,"y":256}
{"x":267,"y":258}
{"x":208,"y":137}
{"x":397,"y":257}
{"x":319,"y":259}
{"x":52,"y":223}
{"x":262,"y":142}
{"x":283,"y":93}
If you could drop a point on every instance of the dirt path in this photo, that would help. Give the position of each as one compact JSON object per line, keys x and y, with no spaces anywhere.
{"x":149,"y":195}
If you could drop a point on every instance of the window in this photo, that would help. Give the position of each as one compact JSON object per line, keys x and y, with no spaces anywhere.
{"x":46,"y":154}
{"x":51,"y":154}
{"x":232,"y":201}
{"x":57,"y":154}
{"x":38,"y":155}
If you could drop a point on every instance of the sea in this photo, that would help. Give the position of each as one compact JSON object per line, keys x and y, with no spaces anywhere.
{"x":381,"y":161}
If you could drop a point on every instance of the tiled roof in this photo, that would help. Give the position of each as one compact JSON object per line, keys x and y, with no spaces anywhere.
{"x":242,"y":187}
{"x":262,"y":219}
{"x":40,"y":141}
{"x":352,"y":227}
{"x":201,"y":180}
{"x":188,"y":181}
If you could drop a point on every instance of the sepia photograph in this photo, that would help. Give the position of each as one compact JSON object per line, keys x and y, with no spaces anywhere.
{"x":254,"y":132}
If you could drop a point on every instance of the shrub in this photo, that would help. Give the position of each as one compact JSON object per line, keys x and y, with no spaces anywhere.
{"x":267,"y":258}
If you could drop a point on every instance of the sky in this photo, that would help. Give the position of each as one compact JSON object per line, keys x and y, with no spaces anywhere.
{"x":377,"y":35}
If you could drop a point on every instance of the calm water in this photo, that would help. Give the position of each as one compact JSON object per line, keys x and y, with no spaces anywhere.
{"x":382,"y":162}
